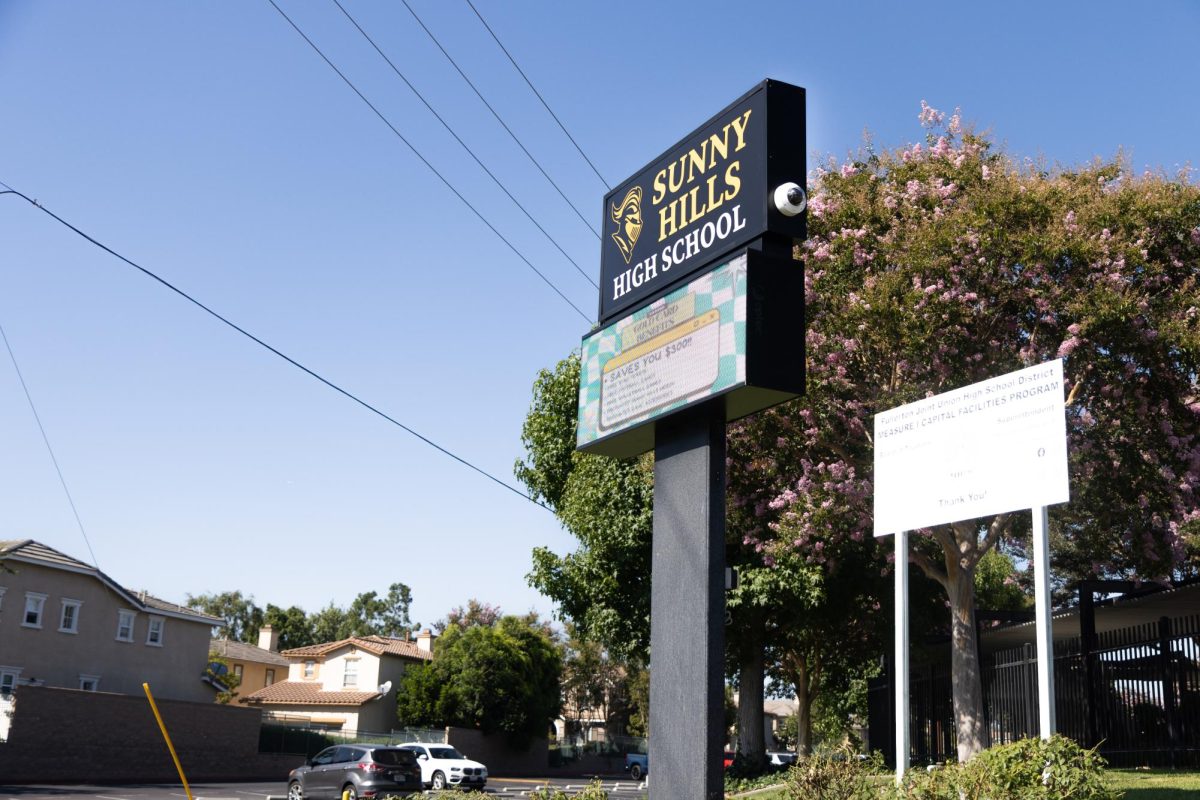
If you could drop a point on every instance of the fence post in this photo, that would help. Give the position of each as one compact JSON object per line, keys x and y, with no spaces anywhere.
{"x":1170,"y":701}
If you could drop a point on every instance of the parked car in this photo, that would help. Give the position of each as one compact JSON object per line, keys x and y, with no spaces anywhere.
{"x":361,"y":771}
{"x":442,"y":766}
{"x":637,"y":765}
{"x":780,"y":758}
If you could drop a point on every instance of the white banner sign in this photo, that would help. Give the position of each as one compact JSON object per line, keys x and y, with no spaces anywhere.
{"x":992,"y":447}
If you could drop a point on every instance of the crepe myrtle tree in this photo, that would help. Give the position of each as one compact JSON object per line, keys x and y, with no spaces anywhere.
{"x":945,"y":263}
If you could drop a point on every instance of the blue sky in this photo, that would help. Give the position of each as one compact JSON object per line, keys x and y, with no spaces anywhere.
{"x":210,"y":144}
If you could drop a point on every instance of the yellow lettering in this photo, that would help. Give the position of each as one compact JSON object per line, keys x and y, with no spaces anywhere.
{"x":668,"y":222}
{"x":732,"y":180}
{"x":739,"y":129}
{"x":697,"y":158}
{"x":660,"y":188}
{"x":716,"y":145}
{"x":673,"y":184}
{"x":698,"y":211}
{"x":715,"y":199}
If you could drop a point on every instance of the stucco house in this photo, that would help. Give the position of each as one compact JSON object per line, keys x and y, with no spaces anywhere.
{"x":344,"y":685}
{"x":255,"y":666}
{"x":64,"y":623}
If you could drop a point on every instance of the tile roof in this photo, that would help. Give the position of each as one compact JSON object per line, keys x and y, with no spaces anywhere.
{"x":240,"y":651}
{"x":376,"y":645}
{"x":34,"y":552}
{"x":305,"y":693}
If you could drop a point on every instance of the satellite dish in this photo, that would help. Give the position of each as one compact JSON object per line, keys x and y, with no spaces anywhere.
{"x":385,"y":687}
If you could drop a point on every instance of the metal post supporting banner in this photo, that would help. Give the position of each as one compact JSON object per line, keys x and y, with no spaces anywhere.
{"x":901,"y":654}
{"x":1045,"y":633}
{"x":687,"y":622}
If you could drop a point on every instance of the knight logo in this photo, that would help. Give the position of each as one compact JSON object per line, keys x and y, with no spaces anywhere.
{"x":628,"y":216}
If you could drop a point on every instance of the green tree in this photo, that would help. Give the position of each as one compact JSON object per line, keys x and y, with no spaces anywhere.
{"x":371,"y":615}
{"x":945,"y":263}
{"x":292,"y":625}
{"x":604,"y":586}
{"x":219,"y":672}
{"x":367,"y":615}
{"x":501,"y":679}
{"x":242,"y":617}
{"x":595,"y":685}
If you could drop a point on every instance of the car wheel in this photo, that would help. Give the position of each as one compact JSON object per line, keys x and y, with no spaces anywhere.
{"x":350,"y":792}
{"x":439,"y":780}
{"x":295,"y":791}
{"x":635,"y":772}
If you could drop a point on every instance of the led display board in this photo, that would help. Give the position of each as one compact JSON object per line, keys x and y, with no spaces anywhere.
{"x":706,"y":197}
{"x":735,"y":332}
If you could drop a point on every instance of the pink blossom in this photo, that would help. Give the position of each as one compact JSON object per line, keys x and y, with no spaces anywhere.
{"x":1196,"y":235}
{"x":930,"y":116}
{"x":1068,"y":346}
{"x":849,"y":170}
{"x":987,"y":173}
{"x":955,"y":126}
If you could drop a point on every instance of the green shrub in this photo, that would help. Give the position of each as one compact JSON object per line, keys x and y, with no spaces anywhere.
{"x":1030,"y":769}
{"x":835,"y":775}
{"x":594,"y":791}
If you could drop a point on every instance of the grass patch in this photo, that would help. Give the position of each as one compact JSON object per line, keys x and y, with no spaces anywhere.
{"x":1155,"y":784}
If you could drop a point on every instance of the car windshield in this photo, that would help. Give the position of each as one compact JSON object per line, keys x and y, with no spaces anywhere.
{"x":444,"y":752}
{"x":393,"y":758}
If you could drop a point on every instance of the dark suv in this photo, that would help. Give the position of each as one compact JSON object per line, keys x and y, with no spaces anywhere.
{"x":359,"y":770}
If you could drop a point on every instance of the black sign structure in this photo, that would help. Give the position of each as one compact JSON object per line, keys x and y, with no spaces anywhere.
{"x":704,"y":198}
{"x":693,"y":333}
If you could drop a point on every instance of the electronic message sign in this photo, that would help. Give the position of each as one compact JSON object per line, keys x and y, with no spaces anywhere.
{"x":736,"y":178}
{"x":736,"y":332}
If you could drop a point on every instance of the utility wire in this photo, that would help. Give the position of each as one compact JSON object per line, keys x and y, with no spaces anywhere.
{"x":458,"y":139}
{"x":344,"y":392}
{"x":539,"y":94}
{"x":495,"y":114}
{"x":427,"y":163}
{"x":49,"y":449}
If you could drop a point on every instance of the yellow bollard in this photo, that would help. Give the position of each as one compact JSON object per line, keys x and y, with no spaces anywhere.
{"x":167,"y":736}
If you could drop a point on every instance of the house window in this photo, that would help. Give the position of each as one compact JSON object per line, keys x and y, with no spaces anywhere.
{"x":35,"y":603}
{"x":270,"y":677}
{"x":8,"y":680}
{"x":154,"y":631}
{"x":350,"y":676}
{"x":125,"y":625}
{"x":89,"y":683}
{"x":237,"y":671}
{"x":69,"y":621}
{"x":310,"y":669}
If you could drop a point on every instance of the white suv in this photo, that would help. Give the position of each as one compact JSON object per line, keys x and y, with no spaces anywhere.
{"x":442,"y":766}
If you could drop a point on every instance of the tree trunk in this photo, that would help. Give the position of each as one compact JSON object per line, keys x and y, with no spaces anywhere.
{"x":804,"y":698}
{"x":965,"y":679}
{"x":750,"y":706}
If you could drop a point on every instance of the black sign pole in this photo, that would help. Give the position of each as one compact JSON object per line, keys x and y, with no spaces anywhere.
{"x":687,"y":606}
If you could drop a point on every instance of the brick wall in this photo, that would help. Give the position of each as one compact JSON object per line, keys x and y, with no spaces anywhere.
{"x":64,"y":735}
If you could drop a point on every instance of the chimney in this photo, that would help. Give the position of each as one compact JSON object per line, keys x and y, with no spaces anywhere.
{"x":268,"y":639}
{"x":425,"y":640}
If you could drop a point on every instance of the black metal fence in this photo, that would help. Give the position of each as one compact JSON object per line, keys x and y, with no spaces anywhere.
{"x":1135,"y":692}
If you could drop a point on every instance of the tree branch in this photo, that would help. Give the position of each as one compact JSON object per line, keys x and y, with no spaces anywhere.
{"x":930,"y":569}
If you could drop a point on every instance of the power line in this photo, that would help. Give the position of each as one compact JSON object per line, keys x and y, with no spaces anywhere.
{"x":539,"y":94}
{"x":458,"y":139}
{"x":344,"y":392}
{"x":495,"y":114}
{"x":427,"y":163}
{"x":49,"y":449}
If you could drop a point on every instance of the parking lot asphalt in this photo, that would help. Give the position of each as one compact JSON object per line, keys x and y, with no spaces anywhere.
{"x":617,"y":788}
